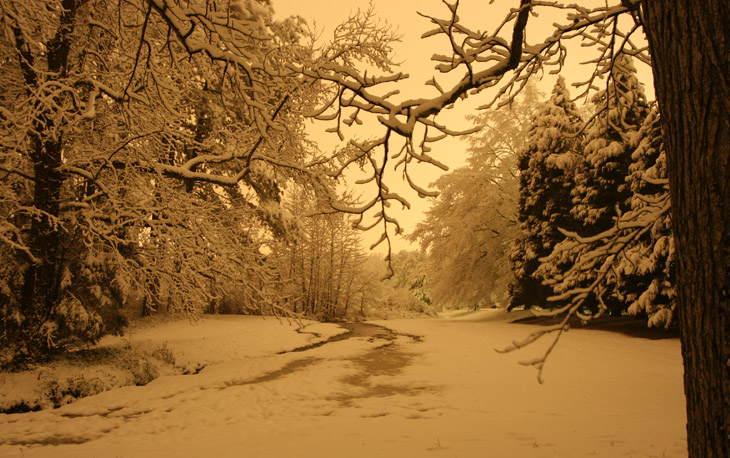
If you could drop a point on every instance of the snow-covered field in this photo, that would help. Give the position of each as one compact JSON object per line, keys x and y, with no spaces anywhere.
{"x":446,"y":393}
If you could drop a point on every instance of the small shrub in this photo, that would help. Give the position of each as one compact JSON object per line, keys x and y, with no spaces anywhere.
{"x":56,"y":392}
{"x":164,"y":354}
{"x":143,"y":370}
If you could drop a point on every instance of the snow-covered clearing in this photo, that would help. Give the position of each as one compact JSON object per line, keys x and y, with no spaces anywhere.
{"x":446,"y":393}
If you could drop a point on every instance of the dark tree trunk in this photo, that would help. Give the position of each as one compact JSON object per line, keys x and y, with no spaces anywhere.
{"x":690,"y":45}
{"x":41,"y":281}
{"x":41,"y":285}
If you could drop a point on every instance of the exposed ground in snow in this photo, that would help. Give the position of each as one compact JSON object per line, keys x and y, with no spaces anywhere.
{"x":428,"y":388}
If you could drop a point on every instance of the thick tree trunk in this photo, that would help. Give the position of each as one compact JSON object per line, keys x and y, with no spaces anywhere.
{"x":41,"y":285}
{"x":690,"y":45}
{"x":41,"y":281}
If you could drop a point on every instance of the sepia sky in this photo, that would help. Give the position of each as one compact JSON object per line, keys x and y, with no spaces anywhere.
{"x":415,"y":53}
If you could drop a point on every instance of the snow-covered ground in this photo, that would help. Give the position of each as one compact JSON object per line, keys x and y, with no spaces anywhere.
{"x":446,"y":393}
{"x":148,"y":349}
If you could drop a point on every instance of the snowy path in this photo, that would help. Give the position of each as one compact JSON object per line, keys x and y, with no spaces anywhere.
{"x":388,"y":394}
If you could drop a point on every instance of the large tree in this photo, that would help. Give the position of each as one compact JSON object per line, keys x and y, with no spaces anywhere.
{"x":600,"y":184}
{"x":106,"y":130}
{"x":690,"y":45}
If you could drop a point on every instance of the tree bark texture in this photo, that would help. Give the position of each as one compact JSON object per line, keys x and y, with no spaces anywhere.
{"x":690,"y":47}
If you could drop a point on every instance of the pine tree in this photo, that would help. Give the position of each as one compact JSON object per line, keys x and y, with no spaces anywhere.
{"x":646,"y":268}
{"x":601,"y":182}
{"x":546,"y":166}
{"x":630,"y":265}
{"x":601,"y":192}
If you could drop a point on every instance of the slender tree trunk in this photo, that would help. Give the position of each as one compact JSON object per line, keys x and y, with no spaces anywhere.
{"x":348,"y":292}
{"x":690,"y":45}
{"x":344,"y":256}
{"x":328,"y":271}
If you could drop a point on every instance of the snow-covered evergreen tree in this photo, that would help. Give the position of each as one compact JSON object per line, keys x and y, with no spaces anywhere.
{"x":646,"y":268}
{"x":546,"y":166}
{"x":629,"y":266}
{"x":601,"y":185}
{"x":601,"y":192}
